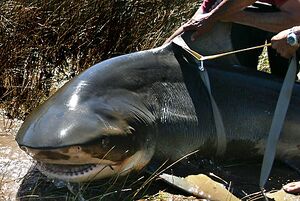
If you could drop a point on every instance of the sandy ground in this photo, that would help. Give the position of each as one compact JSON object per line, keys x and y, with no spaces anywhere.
{"x":14,"y":163}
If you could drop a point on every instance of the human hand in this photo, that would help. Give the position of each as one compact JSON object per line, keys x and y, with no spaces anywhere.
{"x":200,"y":23}
{"x":279,"y":43}
{"x":178,"y":32}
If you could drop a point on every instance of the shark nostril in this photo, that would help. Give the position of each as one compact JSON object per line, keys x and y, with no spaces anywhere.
{"x":75,"y":149}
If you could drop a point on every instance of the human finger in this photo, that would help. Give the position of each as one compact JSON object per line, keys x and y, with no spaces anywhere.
{"x":178,"y":32}
{"x":189,"y":27}
{"x":293,"y":187}
{"x":274,"y":43}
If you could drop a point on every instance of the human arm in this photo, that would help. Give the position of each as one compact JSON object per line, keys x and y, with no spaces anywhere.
{"x":201,"y":23}
{"x":287,"y":17}
{"x":204,"y":23}
{"x":232,"y":11}
{"x":279,"y":42}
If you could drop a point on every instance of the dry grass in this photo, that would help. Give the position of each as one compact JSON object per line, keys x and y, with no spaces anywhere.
{"x":43,"y":42}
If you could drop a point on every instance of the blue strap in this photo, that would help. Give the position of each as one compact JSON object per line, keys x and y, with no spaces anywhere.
{"x":277,"y":122}
{"x":221,"y":135}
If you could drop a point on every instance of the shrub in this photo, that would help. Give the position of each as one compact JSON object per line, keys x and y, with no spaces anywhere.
{"x":43,"y":42}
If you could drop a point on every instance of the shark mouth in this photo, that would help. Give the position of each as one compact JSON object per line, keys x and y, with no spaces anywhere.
{"x":76,"y":173}
{"x":66,"y":169}
{"x":88,"y":172}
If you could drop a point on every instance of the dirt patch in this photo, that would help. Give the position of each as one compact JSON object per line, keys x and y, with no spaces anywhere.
{"x":14,"y":163}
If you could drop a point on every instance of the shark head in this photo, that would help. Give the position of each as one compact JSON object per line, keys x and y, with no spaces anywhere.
{"x":100,"y":124}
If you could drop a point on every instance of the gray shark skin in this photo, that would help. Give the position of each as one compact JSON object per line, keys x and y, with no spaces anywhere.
{"x":124,"y":112}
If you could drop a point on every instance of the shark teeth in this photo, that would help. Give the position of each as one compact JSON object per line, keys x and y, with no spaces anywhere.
{"x":70,"y":170}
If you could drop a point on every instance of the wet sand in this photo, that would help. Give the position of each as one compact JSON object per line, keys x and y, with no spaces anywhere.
{"x":14,"y":163}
